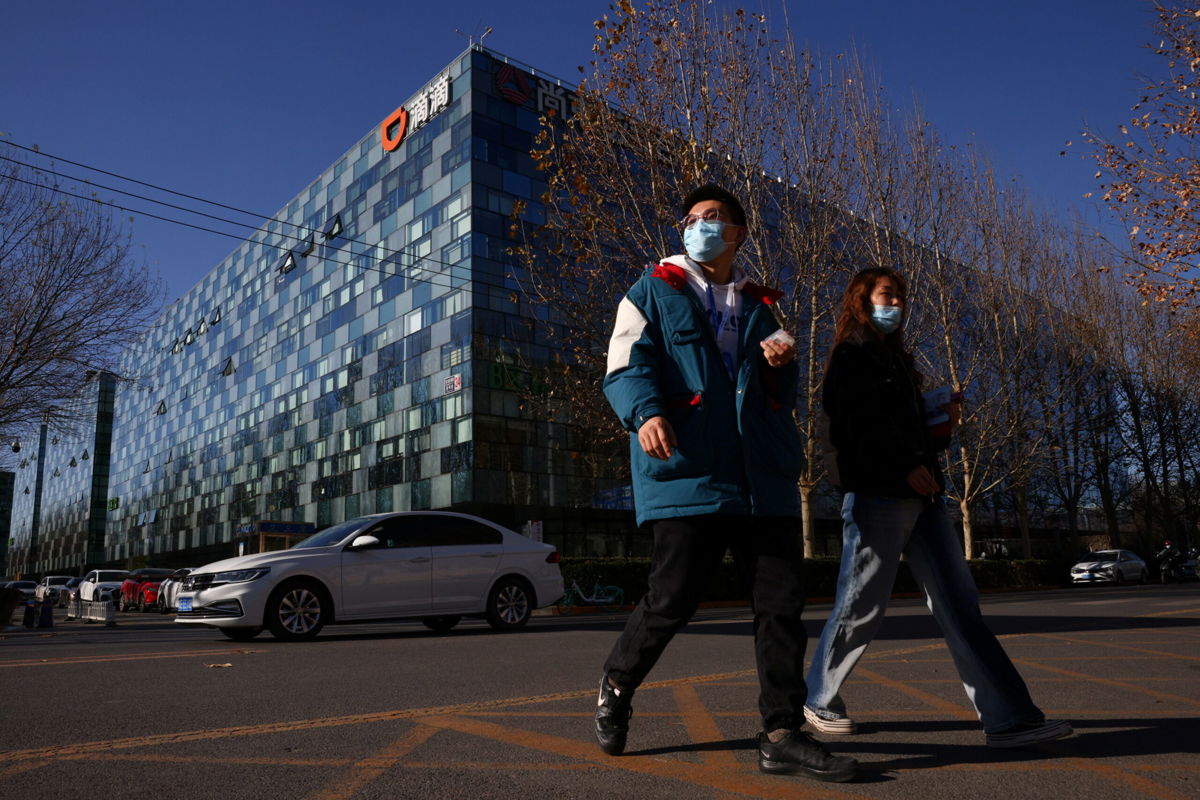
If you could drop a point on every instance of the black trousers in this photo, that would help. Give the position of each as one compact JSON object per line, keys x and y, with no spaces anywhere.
{"x":687,"y":550}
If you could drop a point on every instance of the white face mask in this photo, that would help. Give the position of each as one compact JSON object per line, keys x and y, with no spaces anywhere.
{"x":886,"y":319}
{"x":704,"y":240}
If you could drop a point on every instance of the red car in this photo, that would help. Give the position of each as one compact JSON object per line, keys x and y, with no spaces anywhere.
{"x":139,"y":591}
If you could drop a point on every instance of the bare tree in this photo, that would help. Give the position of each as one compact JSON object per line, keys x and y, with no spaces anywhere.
{"x":680,"y":94}
{"x":1151,"y":171}
{"x":70,"y":298}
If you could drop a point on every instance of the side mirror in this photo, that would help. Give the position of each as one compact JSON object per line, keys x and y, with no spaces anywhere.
{"x":362,"y":542}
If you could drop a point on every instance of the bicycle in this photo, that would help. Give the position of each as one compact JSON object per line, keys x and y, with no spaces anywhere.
{"x":611,"y":597}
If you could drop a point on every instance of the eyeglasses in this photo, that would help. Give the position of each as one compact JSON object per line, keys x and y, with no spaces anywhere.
{"x":711,"y":215}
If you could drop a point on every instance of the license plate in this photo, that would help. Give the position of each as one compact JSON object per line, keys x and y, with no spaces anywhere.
{"x":185,"y":604}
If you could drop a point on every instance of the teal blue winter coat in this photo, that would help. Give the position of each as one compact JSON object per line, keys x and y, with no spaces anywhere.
{"x":738,"y":448}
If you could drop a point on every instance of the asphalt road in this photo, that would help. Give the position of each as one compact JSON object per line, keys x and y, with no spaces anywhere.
{"x":148,"y":709}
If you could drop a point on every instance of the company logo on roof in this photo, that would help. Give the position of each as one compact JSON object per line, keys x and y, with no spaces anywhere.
{"x":425,"y":106}
{"x":548,"y":96}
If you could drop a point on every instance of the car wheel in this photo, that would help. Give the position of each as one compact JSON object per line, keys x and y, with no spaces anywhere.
{"x":1118,"y":578}
{"x":241,"y":634}
{"x":297,"y":611}
{"x":1143,"y":577}
{"x":510,"y":604}
{"x":440,"y":624}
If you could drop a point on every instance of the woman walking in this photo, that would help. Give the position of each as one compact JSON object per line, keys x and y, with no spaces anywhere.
{"x":887,"y":464}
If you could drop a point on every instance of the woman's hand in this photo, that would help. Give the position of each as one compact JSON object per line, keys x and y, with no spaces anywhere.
{"x":657,"y":437}
{"x":921,"y":481}
{"x":777,"y":353}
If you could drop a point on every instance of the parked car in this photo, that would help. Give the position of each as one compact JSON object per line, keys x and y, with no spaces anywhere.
{"x":1109,"y":566}
{"x":26,"y":588}
{"x":139,"y":590}
{"x":102,"y":584}
{"x":434,"y":566}
{"x":168,"y":591}
{"x":49,"y":586}
{"x":68,"y":591}
{"x":72,"y":590}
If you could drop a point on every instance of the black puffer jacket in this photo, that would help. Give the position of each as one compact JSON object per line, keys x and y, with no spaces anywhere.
{"x":876,"y":419}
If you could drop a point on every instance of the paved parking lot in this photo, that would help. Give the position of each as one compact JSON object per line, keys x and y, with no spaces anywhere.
{"x":389,"y":711}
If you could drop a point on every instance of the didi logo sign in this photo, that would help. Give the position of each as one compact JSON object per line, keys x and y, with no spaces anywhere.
{"x":424,"y":107}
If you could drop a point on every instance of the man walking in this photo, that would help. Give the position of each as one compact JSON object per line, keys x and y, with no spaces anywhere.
{"x":702,"y":377}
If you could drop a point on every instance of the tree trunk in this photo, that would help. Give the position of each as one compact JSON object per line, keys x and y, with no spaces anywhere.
{"x":968,"y":543}
{"x":1021,"y":509}
{"x":806,"y":520}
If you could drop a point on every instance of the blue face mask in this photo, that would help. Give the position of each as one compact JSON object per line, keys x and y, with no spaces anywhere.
{"x":886,"y":319}
{"x":703,"y":240}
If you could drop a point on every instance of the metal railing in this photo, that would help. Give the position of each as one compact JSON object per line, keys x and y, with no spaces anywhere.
{"x":93,"y":611}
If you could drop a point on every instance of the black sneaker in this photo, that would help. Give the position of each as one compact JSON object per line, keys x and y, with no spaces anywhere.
{"x":1029,"y":733}
{"x":800,"y":754}
{"x":613,"y":709}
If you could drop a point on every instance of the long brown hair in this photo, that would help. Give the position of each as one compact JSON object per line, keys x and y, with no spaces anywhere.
{"x":856,"y":309}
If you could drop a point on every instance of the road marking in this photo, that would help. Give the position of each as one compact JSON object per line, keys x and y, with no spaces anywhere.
{"x":1135,"y":783}
{"x":701,"y":727}
{"x":735,"y":781}
{"x":1169,"y":613}
{"x":59,"y":751}
{"x":1105,"y":771}
{"x":231,"y":761}
{"x":1133,"y":687}
{"x":365,"y":771}
{"x":925,"y":697}
{"x":718,"y":771}
{"x":17,"y":769}
{"x":67,"y":660}
{"x":1162,"y":653}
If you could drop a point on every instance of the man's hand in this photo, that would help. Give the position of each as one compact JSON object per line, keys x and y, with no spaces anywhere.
{"x":657,"y":438}
{"x":777,"y":353}
{"x":921,"y":481}
{"x":954,"y":411}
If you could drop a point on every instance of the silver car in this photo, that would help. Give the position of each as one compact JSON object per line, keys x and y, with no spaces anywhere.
{"x":102,"y":585}
{"x":434,"y":566}
{"x":50,"y":586}
{"x":1110,"y":566}
{"x":168,"y":591}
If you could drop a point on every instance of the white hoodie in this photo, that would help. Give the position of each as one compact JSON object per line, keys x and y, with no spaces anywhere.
{"x":724,"y":304}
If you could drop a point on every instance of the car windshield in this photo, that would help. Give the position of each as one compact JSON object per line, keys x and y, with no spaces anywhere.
{"x":24,"y":584}
{"x":331,"y":535}
{"x":102,"y":577}
{"x":58,"y":580}
{"x":1103,"y":555}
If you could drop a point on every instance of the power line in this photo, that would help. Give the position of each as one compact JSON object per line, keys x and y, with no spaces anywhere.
{"x":386,"y":253}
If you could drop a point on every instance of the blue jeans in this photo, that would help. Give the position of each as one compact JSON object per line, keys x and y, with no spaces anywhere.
{"x":875,"y":531}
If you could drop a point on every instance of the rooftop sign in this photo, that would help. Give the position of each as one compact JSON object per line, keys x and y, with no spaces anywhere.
{"x":424,"y":107}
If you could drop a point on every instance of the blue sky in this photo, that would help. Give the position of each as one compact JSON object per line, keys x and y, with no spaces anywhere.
{"x":245,"y":102}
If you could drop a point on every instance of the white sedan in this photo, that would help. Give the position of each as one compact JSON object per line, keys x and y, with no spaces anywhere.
{"x":102,"y":585}
{"x":434,"y":566}
{"x":1109,"y":566}
{"x":168,"y":591}
{"x":50,"y":586}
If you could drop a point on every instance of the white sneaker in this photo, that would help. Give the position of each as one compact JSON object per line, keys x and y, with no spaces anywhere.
{"x":1030,"y":733}
{"x":841,"y":726}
